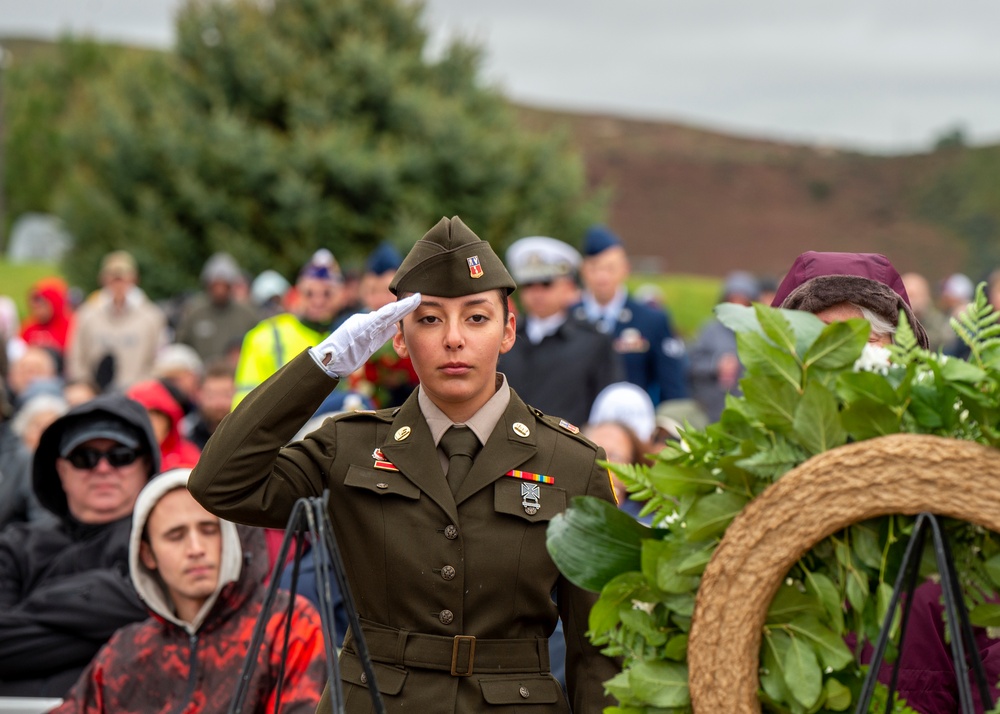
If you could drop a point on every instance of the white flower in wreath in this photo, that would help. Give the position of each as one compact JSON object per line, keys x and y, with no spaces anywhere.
{"x":874,"y":358}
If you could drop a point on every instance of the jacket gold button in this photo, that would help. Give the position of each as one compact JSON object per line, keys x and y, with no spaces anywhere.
{"x":448,"y":572}
{"x":451,"y":532}
{"x":523,"y":691}
{"x":381,"y":484}
{"x":364,"y":678}
{"x":446,"y":617}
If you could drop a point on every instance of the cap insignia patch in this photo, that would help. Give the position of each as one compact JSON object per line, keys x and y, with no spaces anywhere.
{"x":475,"y":269}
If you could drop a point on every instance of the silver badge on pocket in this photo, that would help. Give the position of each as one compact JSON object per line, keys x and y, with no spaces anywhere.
{"x":530,"y":498}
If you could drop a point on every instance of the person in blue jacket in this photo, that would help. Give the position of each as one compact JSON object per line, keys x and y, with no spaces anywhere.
{"x":653,"y":355}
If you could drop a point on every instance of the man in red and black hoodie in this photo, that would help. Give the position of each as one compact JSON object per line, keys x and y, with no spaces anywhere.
{"x":202,"y":580}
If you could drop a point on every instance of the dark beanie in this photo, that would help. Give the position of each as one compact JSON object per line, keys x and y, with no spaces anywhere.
{"x":451,"y":261}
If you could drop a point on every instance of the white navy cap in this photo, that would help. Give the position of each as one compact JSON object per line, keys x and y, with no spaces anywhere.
{"x":539,"y":259}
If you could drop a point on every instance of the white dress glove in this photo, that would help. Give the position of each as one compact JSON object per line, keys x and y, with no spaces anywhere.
{"x":350,"y":345}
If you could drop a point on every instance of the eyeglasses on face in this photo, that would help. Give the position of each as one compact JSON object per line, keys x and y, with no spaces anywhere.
{"x":117,"y":456}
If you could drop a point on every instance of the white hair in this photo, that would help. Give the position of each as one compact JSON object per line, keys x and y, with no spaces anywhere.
{"x":35,"y":406}
{"x":880,"y":325}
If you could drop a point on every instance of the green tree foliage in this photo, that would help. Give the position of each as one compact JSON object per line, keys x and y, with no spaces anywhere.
{"x":276,"y":128}
{"x":39,"y":86}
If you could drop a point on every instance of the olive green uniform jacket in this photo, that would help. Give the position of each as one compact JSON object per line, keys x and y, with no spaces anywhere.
{"x":421,"y":561}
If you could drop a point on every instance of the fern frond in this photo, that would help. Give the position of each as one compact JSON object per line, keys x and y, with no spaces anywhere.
{"x":977,"y":325}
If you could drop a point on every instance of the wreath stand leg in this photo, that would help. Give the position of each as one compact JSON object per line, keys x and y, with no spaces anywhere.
{"x":956,"y":614}
{"x":311,"y":517}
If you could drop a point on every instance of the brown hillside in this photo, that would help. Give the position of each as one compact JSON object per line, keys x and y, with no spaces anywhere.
{"x":692,"y":201}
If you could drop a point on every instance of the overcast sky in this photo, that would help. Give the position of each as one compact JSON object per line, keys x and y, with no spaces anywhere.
{"x":881,"y":75}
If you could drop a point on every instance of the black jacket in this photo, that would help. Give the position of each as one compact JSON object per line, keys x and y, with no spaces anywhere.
{"x":563,"y":374}
{"x":64,"y":586}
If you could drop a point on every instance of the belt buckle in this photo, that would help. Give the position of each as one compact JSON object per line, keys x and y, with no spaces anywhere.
{"x":456,"y":643}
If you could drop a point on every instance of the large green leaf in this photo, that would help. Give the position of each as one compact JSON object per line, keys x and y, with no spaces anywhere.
{"x":776,"y":327}
{"x":864,"y":539}
{"x":803,"y":675}
{"x":772,"y":400}
{"x":593,"y":541}
{"x":738,"y":318}
{"x":624,"y":588}
{"x":869,"y":385}
{"x":710,"y":515}
{"x":958,"y":370}
{"x":837,"y":697}
{"x":830,"y":647}
{"x":992,"y":567}
{"x":817,"y":420}
{"x":773,"y":651}
{"x":838,"y":346}
{"x":759,"y":356}
{"x":659,"y":562}
{"x":807,"y":328}
{"x":986,"y":614}
{"x":661,"y":684}
{"x":865,"y":418}
{"x":822,"y":587}
{"x":789,"y":603}
{"x":678,"y":480}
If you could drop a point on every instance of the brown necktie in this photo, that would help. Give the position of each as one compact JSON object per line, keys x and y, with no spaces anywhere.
{"x":460,"y":444}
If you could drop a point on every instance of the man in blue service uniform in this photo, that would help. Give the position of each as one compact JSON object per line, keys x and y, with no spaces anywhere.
{"x":440,"y":506}
{"x":653,"y":356}
{"x":558,"y":363}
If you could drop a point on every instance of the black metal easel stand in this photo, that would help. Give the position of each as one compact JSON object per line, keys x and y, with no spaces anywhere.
{"x":310,"y":516}
{"x":962,"y":639}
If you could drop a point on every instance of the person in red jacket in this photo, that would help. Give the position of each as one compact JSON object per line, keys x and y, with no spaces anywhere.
{"x":166,"y":413}
{"x":202,"y":580}
{"x":49,"y":315}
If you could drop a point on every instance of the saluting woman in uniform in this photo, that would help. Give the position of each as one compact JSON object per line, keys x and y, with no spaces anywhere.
{"x":440,"y":506}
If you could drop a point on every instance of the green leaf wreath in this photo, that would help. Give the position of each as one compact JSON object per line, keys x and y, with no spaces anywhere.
{"x":808,"y":387}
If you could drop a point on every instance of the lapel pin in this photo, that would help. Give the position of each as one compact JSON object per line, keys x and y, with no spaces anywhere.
{"x":381,"y":462}
{"x":569,"y":427}
{"x":402,"y":433}
{"x":520,"y":429}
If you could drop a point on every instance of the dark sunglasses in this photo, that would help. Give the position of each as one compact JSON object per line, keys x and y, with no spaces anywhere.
{"x":118,"y":456}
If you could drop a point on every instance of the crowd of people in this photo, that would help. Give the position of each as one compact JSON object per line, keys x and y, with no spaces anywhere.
{"x":121,"y":591}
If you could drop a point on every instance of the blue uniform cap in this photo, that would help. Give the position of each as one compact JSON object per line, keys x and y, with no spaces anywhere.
{"x":383,"y":259}
{"x":598,"y":239}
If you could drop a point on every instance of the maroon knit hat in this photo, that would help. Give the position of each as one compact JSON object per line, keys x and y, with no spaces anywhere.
{"x":812,"y":264}
{"x":817,"y":281}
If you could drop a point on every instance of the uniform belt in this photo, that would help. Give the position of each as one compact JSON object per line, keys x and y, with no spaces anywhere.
{"x":460,"y":656}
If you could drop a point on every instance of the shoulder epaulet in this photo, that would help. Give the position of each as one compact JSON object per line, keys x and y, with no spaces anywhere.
{"x":562,"y":426}
{"x":385,"y":415}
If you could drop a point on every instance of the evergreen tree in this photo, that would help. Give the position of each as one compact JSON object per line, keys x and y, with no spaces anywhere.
{"x":275,"y":128}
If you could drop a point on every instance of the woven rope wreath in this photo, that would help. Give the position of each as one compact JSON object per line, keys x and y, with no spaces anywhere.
{"x":902,"y":474}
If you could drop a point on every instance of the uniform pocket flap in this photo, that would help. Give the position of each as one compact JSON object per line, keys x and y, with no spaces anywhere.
{"x":380,"y":481}
{"x":390,"y":679}
{"x":527,"y":499}
{"x":522,"y":690}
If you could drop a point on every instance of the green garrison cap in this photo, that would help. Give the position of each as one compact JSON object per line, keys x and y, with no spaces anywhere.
{"x":451,"y":261}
